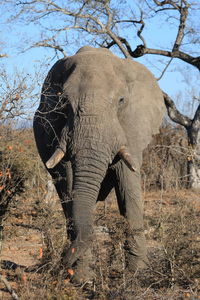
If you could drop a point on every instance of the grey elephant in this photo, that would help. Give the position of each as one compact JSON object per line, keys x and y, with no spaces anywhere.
{"x":97,"y":114}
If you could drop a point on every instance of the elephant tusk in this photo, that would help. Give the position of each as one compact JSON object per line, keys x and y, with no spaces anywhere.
{"x":126,"y":157}
{"x":55,"y":158}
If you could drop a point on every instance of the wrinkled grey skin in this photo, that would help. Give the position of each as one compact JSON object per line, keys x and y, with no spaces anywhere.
{"x":92,"y":104}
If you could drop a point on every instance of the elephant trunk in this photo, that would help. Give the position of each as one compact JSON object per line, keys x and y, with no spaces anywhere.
{"x":88,"y":172}
{"x":88,"y":175}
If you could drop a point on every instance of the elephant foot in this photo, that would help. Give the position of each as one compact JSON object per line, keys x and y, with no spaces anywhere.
{"x":82,"y":272}
{"x":135,"y":263}
{"x":136,"y":252}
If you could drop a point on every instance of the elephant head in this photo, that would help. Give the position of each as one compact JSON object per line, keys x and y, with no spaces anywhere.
{"x":97,"y":114}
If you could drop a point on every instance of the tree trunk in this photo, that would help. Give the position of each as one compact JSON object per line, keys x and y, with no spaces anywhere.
{"x":192,"y":127}
{"x":193,"y":133}
{"x":194,"y":175}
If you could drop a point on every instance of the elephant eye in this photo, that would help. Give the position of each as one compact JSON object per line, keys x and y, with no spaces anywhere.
{"x":122,"y":103}
{"x":121,"y":100}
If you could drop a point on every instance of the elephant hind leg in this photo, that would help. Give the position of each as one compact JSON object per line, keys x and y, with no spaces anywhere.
{"x":128,"y":192}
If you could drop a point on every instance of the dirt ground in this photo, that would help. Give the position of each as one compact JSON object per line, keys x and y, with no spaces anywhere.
{"x":34,"y":233}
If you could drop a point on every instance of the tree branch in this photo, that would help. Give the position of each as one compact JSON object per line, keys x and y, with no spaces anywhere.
{"x":119,"y":43}
{"x":182,"y":23}
{"x":139,"y":33}
{"x":166,"y":2}
{"x":174,"y":114}
{"x":175,"y":52}
{"x":196,"y":120}
{"x":164,"y":70}
{"x":141,"y":50}
{"x":56,"y":47}
{"x":112,"y":43}
{"x":3,"y":55}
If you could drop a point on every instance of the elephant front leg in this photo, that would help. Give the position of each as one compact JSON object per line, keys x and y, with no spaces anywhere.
{"x":128,"y":191}
{"x":63,"y":180}
{"x":78,"y":259}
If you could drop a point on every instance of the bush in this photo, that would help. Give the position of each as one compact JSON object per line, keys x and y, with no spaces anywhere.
{"x":165,"y":160}
{"x":11,"y":181}
{"x":20,"y":167}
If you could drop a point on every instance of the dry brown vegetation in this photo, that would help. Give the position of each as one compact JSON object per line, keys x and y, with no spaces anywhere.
{"x":165,"y":160}
{"x":34,"y":229}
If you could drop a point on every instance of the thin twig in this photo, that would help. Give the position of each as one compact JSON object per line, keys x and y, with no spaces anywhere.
{"x":165,"y":68}
{"x":9,"y":288}
{"x":3,"y":55}
{"x":123,"y":264}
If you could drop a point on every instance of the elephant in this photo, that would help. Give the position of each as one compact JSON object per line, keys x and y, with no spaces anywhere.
{"x":97,"y":114}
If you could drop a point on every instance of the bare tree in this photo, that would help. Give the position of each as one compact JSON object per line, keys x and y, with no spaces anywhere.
{"x":18,"y":97}
{"x":110,"y":24}
{"x":13,"y":92}
{"x":19,"y":92}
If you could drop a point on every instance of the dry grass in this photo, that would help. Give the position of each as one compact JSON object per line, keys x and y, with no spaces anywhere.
{"x":172,"y":228}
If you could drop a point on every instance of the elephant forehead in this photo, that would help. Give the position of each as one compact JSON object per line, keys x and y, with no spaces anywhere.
{"x":98,"y":76}
{"x":90,"y":78}
{"x":98,"y":62}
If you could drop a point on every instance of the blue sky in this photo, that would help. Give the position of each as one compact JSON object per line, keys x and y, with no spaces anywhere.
{"x":156,"y":33}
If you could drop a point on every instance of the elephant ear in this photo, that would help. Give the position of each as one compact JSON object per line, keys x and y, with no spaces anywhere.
{"x":54,"y":111}
{"x":144,"y":113}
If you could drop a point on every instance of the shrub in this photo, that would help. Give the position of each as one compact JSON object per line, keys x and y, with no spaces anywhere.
{"x":165,"y":160}
{"x":20,"y":167}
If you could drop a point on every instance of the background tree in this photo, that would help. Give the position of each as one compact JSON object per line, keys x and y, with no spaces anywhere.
{"x":120,"y":25}
{"x":16,"y":91}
